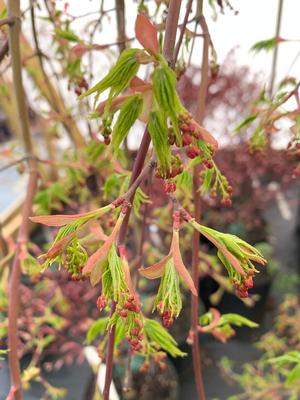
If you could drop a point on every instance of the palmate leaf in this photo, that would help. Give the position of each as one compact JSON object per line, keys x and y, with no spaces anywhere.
{"x":129,"y":112}
{"x":236,"y":319}
{"x":159,"y":134}
{"x":164,"y":87}
{"x":161,"y":337}
{"x":118,"y":77}
{"x":139,"y":199}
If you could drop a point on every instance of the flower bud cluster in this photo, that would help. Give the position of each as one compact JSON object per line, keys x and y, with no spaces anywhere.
{"x":81,"y":85}
{"x":74,"y":260}
{"x":242,"y":287}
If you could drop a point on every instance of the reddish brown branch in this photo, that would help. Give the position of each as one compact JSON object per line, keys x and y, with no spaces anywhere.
{"x":170,"y":37}
{"x":197,"y":201}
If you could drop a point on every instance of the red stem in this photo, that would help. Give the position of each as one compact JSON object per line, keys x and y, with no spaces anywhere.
{"x":196,"y":235}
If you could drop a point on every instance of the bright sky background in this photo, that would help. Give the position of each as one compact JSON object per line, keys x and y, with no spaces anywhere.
{"x":255,"y":21}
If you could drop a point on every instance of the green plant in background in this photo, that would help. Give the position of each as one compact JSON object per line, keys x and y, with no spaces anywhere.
{"x":93,"y":245}
{"x":276,"y":374}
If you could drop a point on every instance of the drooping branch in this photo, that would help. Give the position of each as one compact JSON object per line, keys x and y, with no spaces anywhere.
{"x":170,"y":37}
{"x":197,"y":213}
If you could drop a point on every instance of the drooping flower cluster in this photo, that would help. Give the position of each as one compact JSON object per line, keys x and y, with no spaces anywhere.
{"x":66,"y":249}
{"x":236,"y":255}
{"x":171,"y":268}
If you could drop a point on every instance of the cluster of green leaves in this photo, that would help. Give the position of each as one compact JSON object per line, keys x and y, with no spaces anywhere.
{"x":168,"y":297}
{"x":157,"y":337}
{"x":222,"y":327}
{"x":234,"y":253}
{"x":160,"y":338}
{"x":118,"y":77}
{"x":276,"y":374}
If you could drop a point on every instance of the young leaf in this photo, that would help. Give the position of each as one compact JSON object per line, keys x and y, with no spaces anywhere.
{"x":266,"y":45}
{"x":118,"y":77}
{"x":236,"y":319}
{"x":162,"y":338}
{"x":68,"y":35}
{"x":146,"y":34}
{"x":96,"y":329}
{"x":164,"y":88}
{"x":129,"y":112}
{"x":159,"y":134}
{"x":246,"y":122}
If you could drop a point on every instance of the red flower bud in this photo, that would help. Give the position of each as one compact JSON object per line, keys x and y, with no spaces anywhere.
{"x":186,"y":139}
{"x":101,"y":302}
{"x":227,"y":202}
{"x":208,"y":164}
{"x":123,"y":313}
{"x":248,"y":283}
{"x":169,"y":186}
{"x":107,"y":140}
{"x":134,"y":331}
{"x":192,"y":152}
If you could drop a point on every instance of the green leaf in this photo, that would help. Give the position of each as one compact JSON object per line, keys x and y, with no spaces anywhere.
{"x":266,"y":45}
{"x":162,"y":338}
{"x":67,"y":34}
{"x":159,"y":134}
{"x":120,"y":332}
{"x":164,"y":88}
{"x":246,"y":122}
{"x":118,"y":77}
{"x":96,"y":329}
{"x":236,"y":319}
{"x":293,"y":376}
{"x":139,"y":199}
{"x":208,"y":176}
{"x":129,"y":112}
{"x":184,"y":181}
{"x":287,"y":358}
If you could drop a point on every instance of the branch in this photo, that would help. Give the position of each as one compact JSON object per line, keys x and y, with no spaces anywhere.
{"x":120,"y":10}
{"x":13,"y":8}
{"x":7,"y":21}
{"x":275,"y":54}
{"x":171,"y":30}
{"x":183,"y":28}
{"x":197,"y":200}
{"x":170,"y":37}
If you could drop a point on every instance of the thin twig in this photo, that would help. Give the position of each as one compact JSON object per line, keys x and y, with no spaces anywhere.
{"x":275,"y":54}
{"x":182,"y":29}
{"x":197,"y":201}
{"x":13,"y":163}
